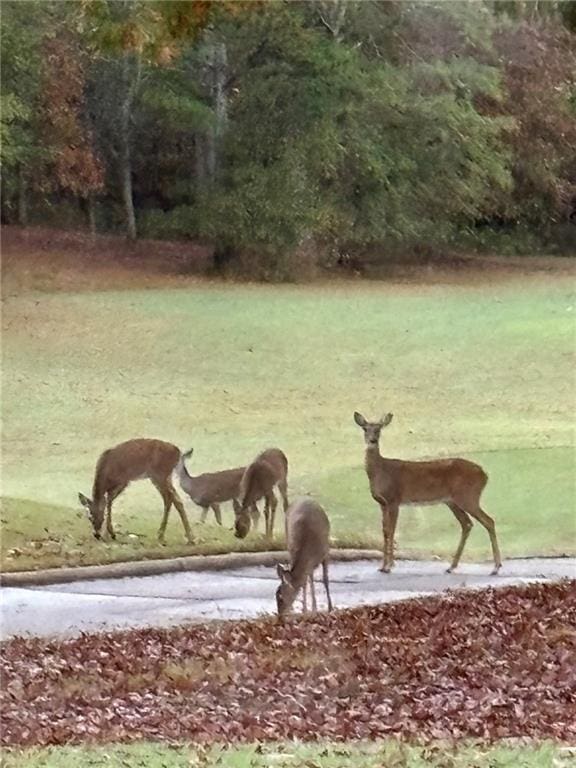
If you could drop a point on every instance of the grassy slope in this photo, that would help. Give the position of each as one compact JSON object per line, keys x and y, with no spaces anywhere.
{"x":292,"y":755}
{"x":484,"y":370}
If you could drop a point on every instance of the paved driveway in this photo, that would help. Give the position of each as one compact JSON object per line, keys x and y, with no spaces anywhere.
{"x":175,"y":598}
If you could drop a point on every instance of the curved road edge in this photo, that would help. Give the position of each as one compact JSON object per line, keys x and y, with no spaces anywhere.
{"x":167,"y":565}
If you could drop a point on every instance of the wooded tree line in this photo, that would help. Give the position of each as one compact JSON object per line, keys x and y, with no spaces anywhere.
{"x":263,"y":126}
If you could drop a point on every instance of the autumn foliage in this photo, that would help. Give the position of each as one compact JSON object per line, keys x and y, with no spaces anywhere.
{"x":486,"y":665}
{"x":75,"y":166}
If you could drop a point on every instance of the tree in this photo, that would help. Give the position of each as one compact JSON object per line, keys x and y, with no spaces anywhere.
{"x":22,"y":28}
{"x":348,"y":148}
{"x":540,"y":62}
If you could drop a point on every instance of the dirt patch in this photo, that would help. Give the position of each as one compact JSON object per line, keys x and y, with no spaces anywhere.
{"x":45,"y":259}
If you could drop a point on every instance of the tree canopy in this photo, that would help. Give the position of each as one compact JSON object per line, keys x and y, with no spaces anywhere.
{"x":260,"y":126}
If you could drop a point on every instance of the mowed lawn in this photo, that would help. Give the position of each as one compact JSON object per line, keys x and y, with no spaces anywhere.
{"x":373,"y":755}
{"x":479,"y":369}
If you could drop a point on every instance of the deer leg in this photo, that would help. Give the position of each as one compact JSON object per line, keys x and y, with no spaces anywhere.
{"x":283,"y":488}
{"x":175,"y":499}
{"x":204,"y":514}
{"x":273,"y":505}
{"x":385,"y":526}
{"x":217,"y":513}
{"x":466,"y":524}
{"x":326,"y":582}
{"x":266,"y":515}
{"x":166,"y":498}
{"x":304,"y":607}
{"x":392,"y":520}
{"x":313,"y":593}
{"x":112,"y":495}
{"x":169,"y":496}
{"x":255,"y":515}
{"x":478,"y":514}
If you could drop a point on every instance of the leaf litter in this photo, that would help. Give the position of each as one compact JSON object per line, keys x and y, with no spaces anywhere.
{"x":487,"y":665}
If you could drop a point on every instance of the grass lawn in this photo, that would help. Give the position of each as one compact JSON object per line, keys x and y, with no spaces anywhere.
{"x":374,"y":755}
{"x":482,"y":369}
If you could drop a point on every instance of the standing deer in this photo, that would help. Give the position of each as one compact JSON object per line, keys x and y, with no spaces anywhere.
{"x":458,"y":483}
{"x":308,"y":535}
{"x":212,"y":488}
{"x":134,"y":460}
{"x":269,"y":469}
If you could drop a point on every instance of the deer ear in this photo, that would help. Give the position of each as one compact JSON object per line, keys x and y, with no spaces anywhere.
{"x":84,"y":501}
{"x":385,"y":420}
{"x":359,"y":419}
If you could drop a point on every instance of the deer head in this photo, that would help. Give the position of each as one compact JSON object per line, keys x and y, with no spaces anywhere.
{"x":242,"y":521}
{"x":286,"y":592}
{"x":372,"y":428}
{"x":94,"y":512}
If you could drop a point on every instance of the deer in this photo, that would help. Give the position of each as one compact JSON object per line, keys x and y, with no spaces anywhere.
{"x":269,"y":469}
{"x":211,"y":488}
{"x":117,"y":467}
{"x":456,"y":482}
{"x":308,"y":538}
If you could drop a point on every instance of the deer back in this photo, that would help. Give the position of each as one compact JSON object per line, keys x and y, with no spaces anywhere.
{"x":260,"y":477}
{"x":276,"y":459}
{"x":308,"y":532}
{"x":133,"y":460}
{"x":422,"y":482}
{"x":213,"y":487}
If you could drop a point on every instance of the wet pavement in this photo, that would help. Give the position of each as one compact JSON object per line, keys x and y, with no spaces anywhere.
{"x":176,"y":598}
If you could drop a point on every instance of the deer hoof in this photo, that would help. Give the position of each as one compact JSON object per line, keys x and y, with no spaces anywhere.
{"x":449,"y":570}
{"x":495,"y":571}
{"x":384,"y":569}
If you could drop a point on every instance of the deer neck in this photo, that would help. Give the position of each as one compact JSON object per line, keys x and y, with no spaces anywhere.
{"x":299,"y":574}
{"x":372,"y":460}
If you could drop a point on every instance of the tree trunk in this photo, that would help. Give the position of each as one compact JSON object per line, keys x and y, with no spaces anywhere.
{"x":22,"y":198}
{"x":132,"y":83}
{"x":91,"y":209}
{"x":217,"y":67}
{"x":127,"y":197}
{"x":200,"y":160}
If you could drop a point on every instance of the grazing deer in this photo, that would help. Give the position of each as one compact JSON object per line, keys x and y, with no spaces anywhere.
{"x":134,"y":460}
{"x":212,"y":488}
{"x":269,"y":469}
{"x":458,"y":483}
{"x":308,"y":535}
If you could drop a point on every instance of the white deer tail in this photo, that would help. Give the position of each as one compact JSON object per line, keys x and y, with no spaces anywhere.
{"x":180,"y":469}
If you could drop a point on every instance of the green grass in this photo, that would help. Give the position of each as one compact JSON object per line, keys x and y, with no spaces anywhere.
{"x":389,"y":754}
{"x":484,"y":370}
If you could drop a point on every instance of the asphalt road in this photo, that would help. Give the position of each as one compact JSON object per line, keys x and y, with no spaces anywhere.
{"x":176,"y":598}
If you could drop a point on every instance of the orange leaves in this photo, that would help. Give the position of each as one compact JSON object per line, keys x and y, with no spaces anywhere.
{"x":75,"y":164}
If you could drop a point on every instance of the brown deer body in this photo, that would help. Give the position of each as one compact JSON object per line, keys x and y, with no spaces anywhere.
{"x":210,"y":489}
{"x":308,"y":539}
{"x":269,"y":469}
{"x":134,"y":460}
{"x":458,"y":483}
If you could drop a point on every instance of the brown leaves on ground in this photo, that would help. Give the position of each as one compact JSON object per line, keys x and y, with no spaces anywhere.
{"x":486,"y":665}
